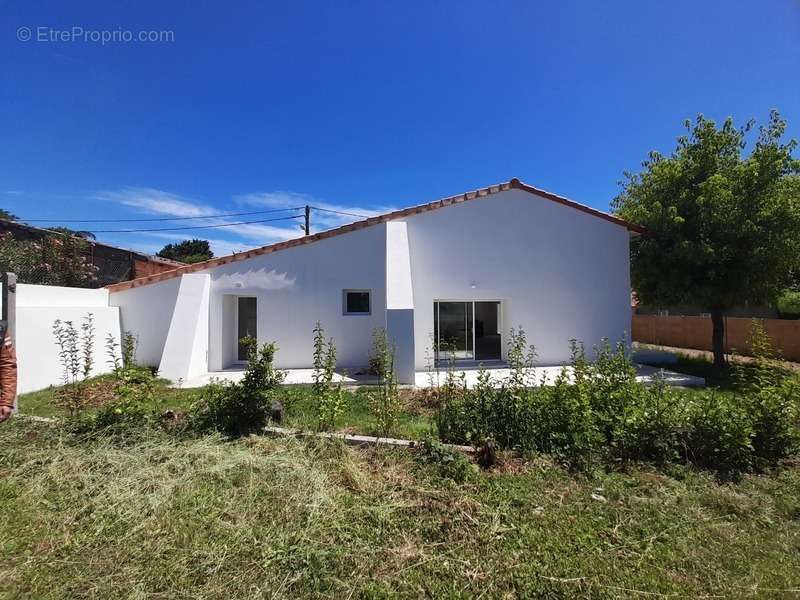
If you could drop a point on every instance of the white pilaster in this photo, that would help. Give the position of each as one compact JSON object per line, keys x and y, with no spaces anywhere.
{"x":186,"y":349}
{"x":400,"y":300}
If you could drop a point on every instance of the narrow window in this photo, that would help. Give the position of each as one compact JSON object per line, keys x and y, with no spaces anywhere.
{"x":247,"y":324}
{"x":356,"y":302}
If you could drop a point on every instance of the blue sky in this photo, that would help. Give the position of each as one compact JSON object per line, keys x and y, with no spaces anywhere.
{"x":363,"y":106}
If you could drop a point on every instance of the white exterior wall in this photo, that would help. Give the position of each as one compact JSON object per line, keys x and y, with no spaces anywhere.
{"x":560,"y":273}
{"x":38,"y":306}
{"x":146,"y":311}
{"x":295,"y":288}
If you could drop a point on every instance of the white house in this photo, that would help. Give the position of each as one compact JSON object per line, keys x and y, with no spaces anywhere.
{"x":462,"y":270}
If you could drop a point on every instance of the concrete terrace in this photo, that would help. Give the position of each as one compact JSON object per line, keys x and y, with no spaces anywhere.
{"x":427,"y":379}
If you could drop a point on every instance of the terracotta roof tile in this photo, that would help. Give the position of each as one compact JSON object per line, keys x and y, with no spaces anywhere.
{"x":398,"y":214}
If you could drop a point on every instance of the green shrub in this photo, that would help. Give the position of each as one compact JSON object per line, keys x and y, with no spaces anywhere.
{"x":599,"y":411}
{"x":76,"y":355}
{"x":719,"y":433}
{"x":651,"y":426}
{"x":521,"y":359}
{"x":572,"y":419}
{"x":789,"y":304}
{"x":563,"y":422}
{"x":237,"y":409}
{"x":609,"y":382}
{"x":125,"y":412}
{"x":771,"y":397}
{"x":385,"y":404}
{"x":775,"y":416}
{"x":329,"y":398}
{"x":130,"y":407}
{"x":448,"y":463}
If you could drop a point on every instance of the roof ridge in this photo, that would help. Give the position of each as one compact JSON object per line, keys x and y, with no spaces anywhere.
{"x":368,"y":222}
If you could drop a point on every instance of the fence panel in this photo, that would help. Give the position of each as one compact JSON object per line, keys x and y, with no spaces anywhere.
{"x":695,"y":332}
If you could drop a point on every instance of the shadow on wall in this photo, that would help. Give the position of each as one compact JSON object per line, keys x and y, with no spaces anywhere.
{"x":254,"y":279}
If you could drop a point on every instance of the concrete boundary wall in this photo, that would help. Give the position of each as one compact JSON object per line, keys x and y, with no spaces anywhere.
{"x":38,"y":306}
{"x":695,"y":332}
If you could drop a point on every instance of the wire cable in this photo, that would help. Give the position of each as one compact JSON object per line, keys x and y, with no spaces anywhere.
{"x":241,"y":214}
{"x":195,"y":226}
{"x":340,"y":212}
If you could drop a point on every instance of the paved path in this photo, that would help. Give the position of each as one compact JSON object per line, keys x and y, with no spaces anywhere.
{"x":672,"y":351}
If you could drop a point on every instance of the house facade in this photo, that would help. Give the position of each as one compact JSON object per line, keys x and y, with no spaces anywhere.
{"x":455,"y":274}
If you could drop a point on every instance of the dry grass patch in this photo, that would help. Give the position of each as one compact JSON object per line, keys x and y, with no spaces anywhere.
{"x":154,"y":516}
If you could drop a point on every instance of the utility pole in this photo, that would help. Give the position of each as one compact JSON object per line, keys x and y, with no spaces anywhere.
{"x":307,"y":227}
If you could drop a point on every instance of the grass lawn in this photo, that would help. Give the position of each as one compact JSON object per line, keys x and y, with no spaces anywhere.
{"x":414,"y":423}
{"x":699,"y":363}
{"x":153,"y":514}
{"x":43,"y":403}
{"x":163,"y":517}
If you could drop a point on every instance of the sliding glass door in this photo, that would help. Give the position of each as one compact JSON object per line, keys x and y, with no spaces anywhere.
{"x":466,"y":330}
{"x":453,"y":324}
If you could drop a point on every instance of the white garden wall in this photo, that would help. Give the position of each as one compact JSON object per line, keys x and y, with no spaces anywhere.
{"x":38,"y":306}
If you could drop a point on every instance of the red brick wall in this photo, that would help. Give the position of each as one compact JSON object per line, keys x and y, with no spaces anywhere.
{"x":149,"y":267}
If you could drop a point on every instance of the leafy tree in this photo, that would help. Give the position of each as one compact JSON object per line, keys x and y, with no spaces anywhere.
{"x":187,"y":251}
{"x":723,"y":227}
{"x":52,"y":260}
{"x":789,"y":304}
{"x":8,"y":216}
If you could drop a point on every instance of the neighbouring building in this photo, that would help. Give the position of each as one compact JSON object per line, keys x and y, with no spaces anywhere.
{"x":113,"y":264}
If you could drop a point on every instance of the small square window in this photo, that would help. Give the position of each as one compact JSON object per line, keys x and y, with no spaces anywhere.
{"x":356,"y":302}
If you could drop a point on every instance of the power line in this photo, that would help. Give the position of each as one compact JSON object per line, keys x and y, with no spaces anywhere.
{"x":241,"y":214}
{"x":340,"y":212}
{"x":195,"y":226}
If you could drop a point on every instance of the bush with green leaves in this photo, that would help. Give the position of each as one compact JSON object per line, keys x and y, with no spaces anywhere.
{"x":239,"y":409}
{"x":133,"y":386}
{"x":446,"y":462}
{"x":121,"y":355}
{"x":597,"y":411}
{"x":330,"y":400}
{"x":775,"y":415}
{"x":385,"y":404}
{"x":719,"y":434}
{"x":134,"y":395}
{"x":771,"y":396}
{"x":651,"y":426}
{"x":562,"y":422}
{"x":76,"y":355}
{"x":52,"y":260}
{"x":789,"y":304}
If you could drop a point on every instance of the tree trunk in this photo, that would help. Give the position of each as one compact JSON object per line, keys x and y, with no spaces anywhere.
{"x":718,"y":337}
